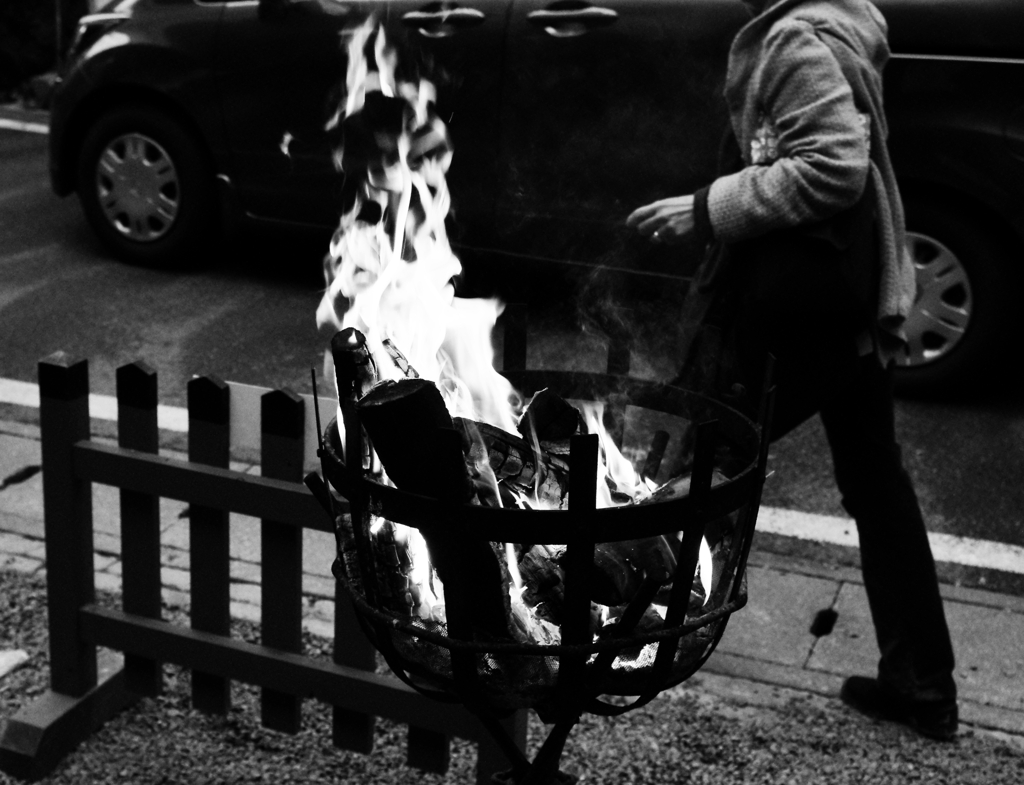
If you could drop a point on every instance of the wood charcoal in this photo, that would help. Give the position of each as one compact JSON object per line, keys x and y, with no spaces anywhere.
{"x":412,"y":433}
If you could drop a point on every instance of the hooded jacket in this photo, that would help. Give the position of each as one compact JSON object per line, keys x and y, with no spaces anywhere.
{"x":804,"y":93}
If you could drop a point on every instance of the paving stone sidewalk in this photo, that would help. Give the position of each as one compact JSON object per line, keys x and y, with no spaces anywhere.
{"x":768,"y":642}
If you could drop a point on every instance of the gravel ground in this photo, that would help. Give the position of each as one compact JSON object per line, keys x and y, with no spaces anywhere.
{"x":709,"y":730}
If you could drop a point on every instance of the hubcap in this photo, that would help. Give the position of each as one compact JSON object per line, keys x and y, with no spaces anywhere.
{"x":138,"y":187}
{"x":943,"y":304}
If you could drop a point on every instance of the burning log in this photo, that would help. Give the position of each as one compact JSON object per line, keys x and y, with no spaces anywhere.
{"x":355,"y":372}
{"x":515,"y":463}
{"x":398,"y":591}
{"x":354,"y":368}
{"x":413,"y":436}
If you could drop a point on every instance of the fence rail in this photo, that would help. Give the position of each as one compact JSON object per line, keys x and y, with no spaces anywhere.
{"x":86,"y":690}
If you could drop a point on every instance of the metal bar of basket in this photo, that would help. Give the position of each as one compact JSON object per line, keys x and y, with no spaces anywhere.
{"x":686,"y":565}
{"x":578,"y":562}
{"x":358,"y":509}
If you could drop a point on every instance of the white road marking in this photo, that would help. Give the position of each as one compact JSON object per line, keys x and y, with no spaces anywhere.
{"x":29,"y":254}
{"x":21,"y":193}
{"x":843,"y":531}
{"x":245,"y":420}
{"x":22,"y":125}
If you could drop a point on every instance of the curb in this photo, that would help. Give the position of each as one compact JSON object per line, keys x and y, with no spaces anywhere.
{"x":18,"y":117}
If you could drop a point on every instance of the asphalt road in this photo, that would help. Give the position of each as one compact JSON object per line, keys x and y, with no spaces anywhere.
{"x":251,"y":319}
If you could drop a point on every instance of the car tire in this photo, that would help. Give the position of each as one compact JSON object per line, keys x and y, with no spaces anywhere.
{"x":147,"y":188}
{"x":961,"y":312}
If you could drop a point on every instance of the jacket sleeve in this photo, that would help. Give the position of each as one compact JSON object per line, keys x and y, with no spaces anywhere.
{"x":822,"y":164}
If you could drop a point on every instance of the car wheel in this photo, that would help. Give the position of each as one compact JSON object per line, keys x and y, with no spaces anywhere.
{"x":147,"y":189}
{"x":961,"y":304}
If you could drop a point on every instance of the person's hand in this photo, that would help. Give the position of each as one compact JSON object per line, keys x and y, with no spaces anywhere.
{"x":665,"y":221}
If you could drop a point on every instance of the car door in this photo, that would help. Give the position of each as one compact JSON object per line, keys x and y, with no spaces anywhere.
{"x":608,"y":105}
{"x":280,"y":68}
{"x":459,"y":46}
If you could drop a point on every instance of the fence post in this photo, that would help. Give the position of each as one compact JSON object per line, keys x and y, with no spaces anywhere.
{"x":282,"y":449}
{"x":140,"y":517}
{"x":82,"y":695}
{"x":209,"y":554}
{"x":67,"y":516}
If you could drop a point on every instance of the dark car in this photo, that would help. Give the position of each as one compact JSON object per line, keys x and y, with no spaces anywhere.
{"x":565,"y":116}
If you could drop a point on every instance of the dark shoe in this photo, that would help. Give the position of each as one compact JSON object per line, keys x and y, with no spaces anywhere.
{"x":934,"y":719}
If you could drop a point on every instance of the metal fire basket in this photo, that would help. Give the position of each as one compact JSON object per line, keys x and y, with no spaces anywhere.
{"x":492,"y":677}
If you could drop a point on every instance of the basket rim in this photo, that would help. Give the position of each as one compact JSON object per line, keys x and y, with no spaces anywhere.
{"x":557,"y":527}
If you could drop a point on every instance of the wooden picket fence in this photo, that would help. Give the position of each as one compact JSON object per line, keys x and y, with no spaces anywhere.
{"x":86,"y":690}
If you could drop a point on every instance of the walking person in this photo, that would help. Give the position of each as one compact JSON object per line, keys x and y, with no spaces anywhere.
{"x":808,"y":262}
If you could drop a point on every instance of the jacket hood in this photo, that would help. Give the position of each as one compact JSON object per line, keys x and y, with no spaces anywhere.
{"x":858,"y":22}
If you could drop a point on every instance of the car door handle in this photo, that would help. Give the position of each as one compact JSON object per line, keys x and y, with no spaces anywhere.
{"x":443,"y":22}
{"x":571,"y":22}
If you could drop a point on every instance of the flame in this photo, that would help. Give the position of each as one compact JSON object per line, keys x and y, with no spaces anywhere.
{"x":704,"y":568}
{"x":389,"y":275}
{"x":614,"y":470}
{"x":391,"y":264}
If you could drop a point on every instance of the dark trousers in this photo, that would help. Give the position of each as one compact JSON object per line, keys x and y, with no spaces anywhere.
{"x":854,"y":396}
